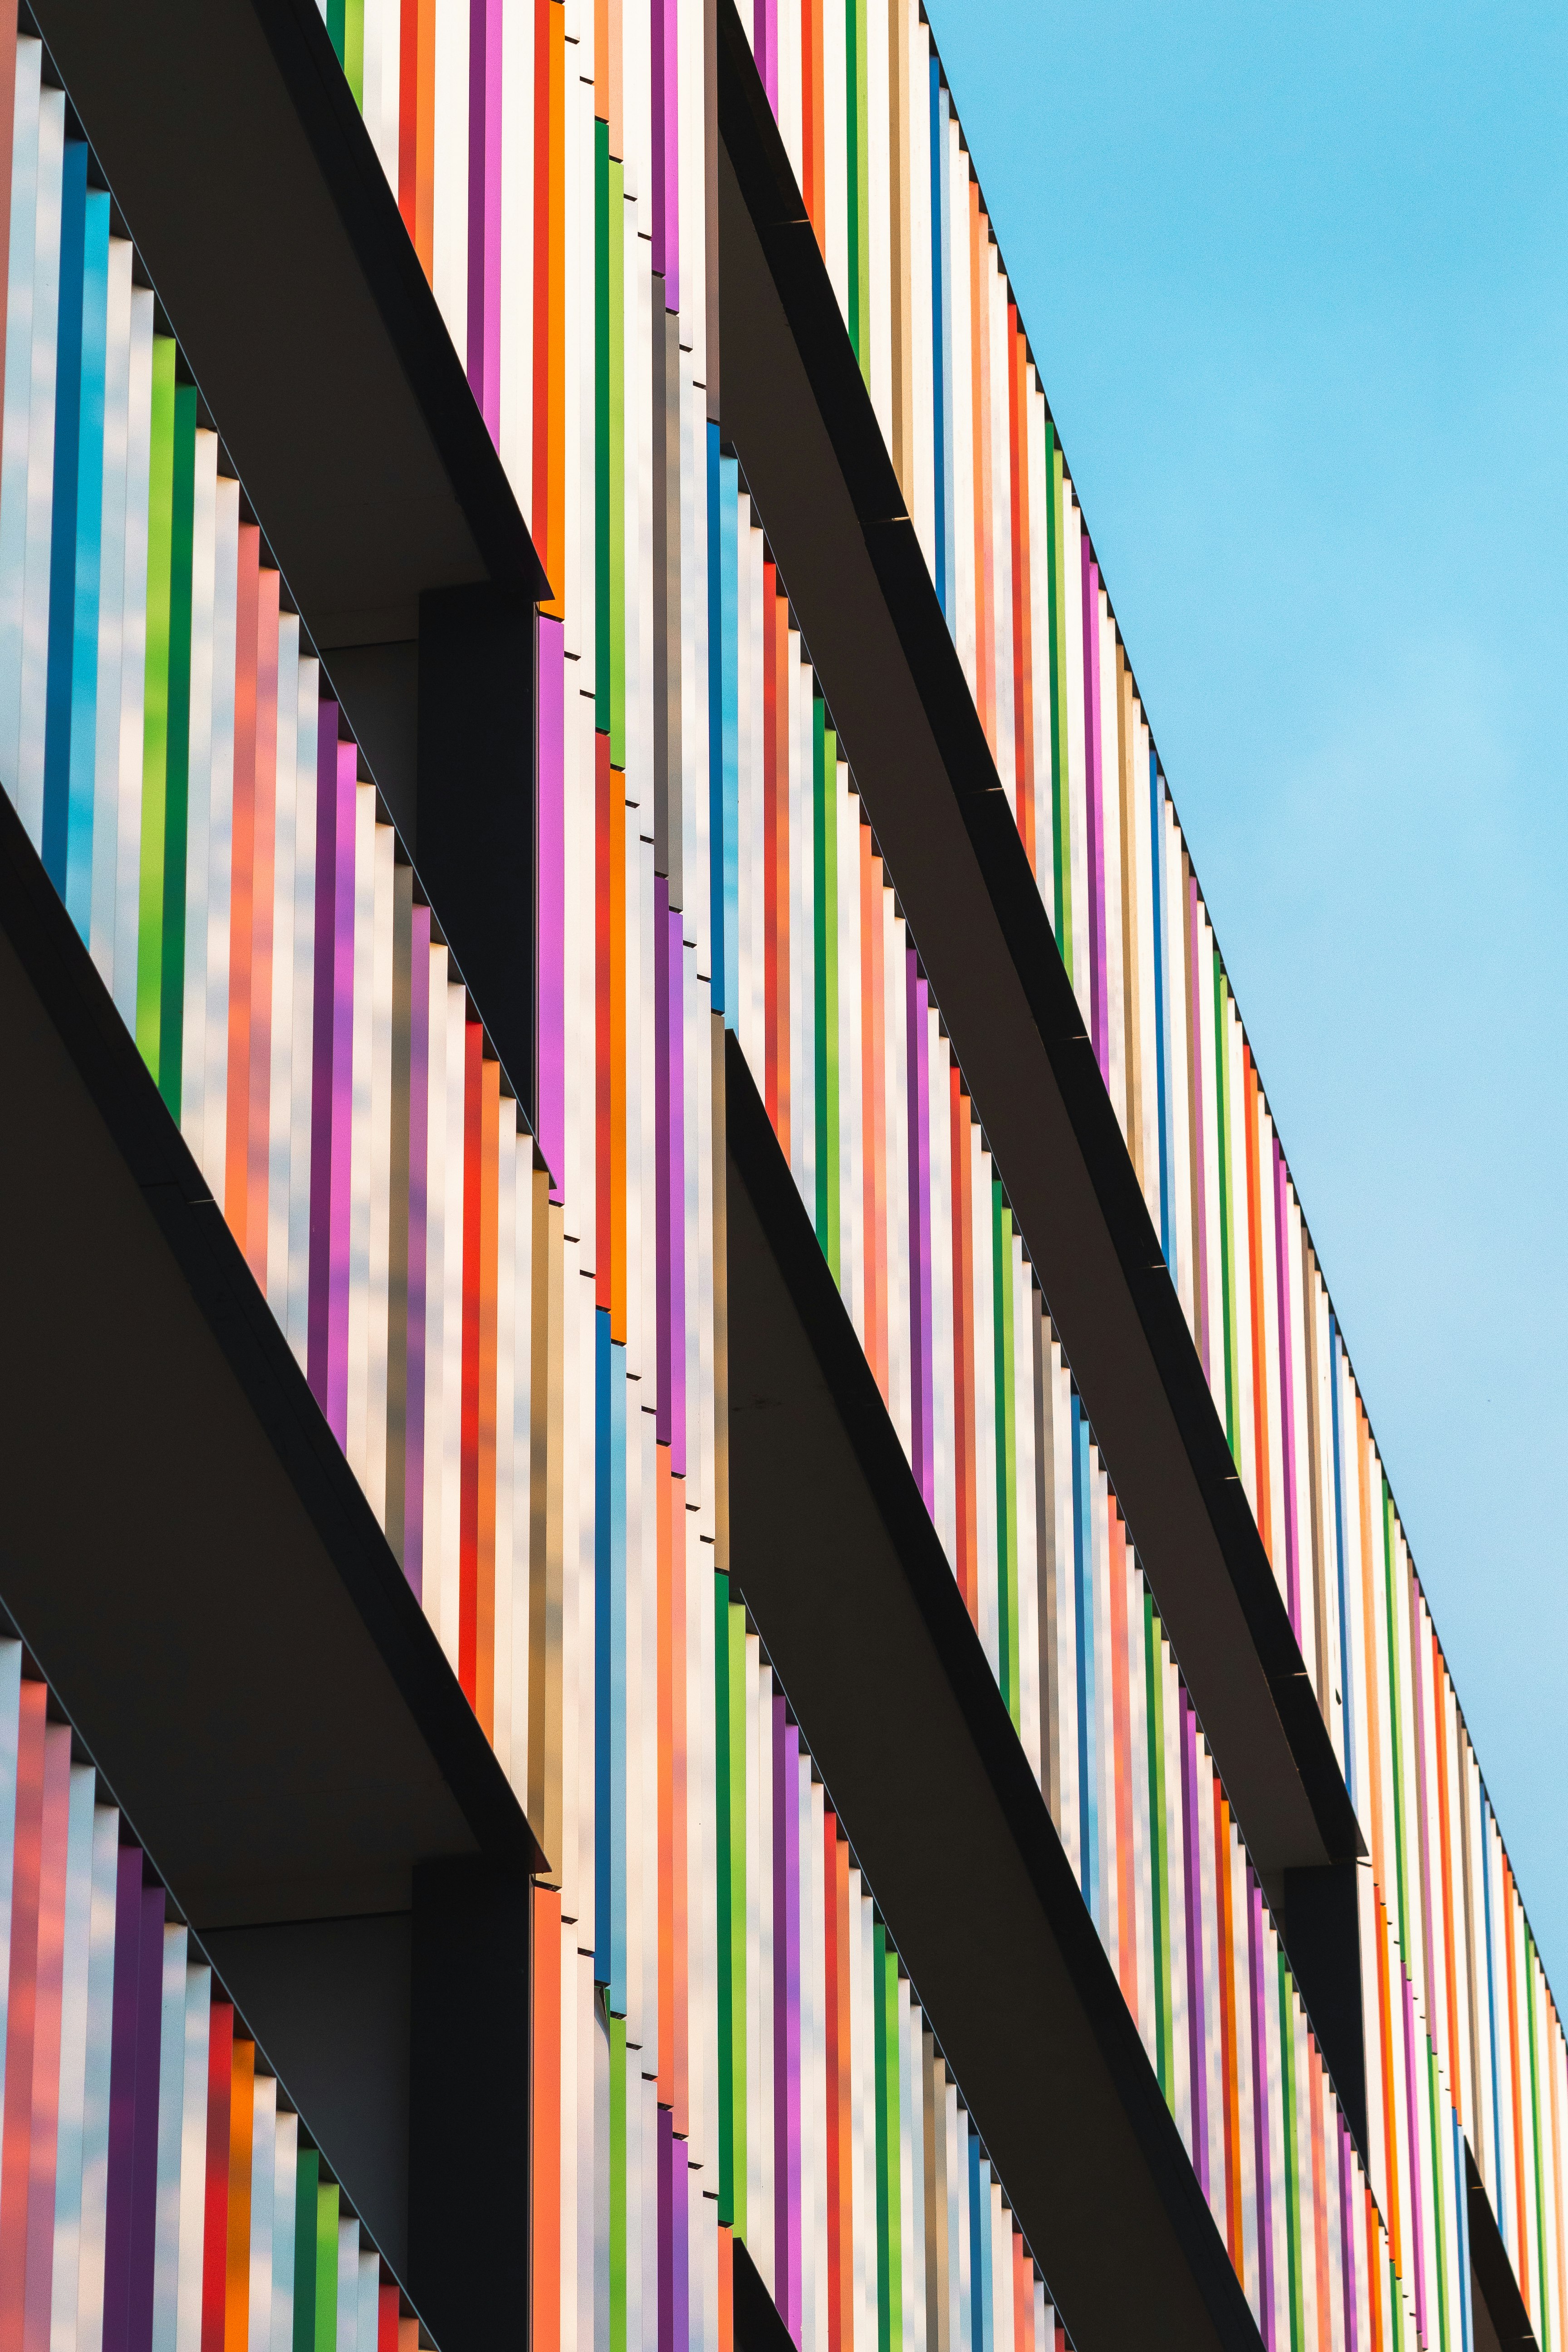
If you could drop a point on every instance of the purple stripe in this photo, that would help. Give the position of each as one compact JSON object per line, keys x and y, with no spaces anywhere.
{"x":1412,"y":2125}
{"x":418,"y":1246}
{"x":1201,"y":1271}
{"x":121,"y":2102}
{"x":144,"y":2161}
{"x":1287,"y":1388}
{"x":1097,"y":1017}
{"x":552,"y":999}
{"x":665,"y":61}
{"x":680,"y":2246}
{"x":1261,"y":2111}
{"x":665,"y":2169}
{"x":340,"y":1212}
{"x":484,"y":208}
{"x":322,"y":1051}
{"x":1197,"y":2044}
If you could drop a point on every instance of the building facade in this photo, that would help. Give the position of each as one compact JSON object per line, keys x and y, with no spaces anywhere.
{"x":706,"y":1640}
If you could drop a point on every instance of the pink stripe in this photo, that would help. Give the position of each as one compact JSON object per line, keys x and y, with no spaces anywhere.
{"x":484,"y":208}
{"x":46,"y":2038}
{"x":1196,"y":1049}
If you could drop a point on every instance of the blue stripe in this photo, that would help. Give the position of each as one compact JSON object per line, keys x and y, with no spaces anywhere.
{"x":62,"y":549}
{"x":89,"y":554}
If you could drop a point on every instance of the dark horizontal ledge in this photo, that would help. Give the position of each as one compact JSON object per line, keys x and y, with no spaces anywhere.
{"x":804,"y":428}
{"x":187,"y":1551}
{"x":230,"y":140}
{"x":836,"y":1556}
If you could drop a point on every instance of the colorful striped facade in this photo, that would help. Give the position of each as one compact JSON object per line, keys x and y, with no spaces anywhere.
{"x":517,"y":1334}
{"x":154,"y":2185}
{"x":1457,"y":2007}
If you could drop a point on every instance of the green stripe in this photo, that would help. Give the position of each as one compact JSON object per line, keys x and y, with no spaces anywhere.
{"x":155,"y":706}
{"x":306,"y":2173}
{"x":327,"y":2267}
{"x":889,"y":2146}
{"x":1292,"y":2157}
{"x":177,"y":783}
{"x":617,"y":2030}
{"x":858,"y":224}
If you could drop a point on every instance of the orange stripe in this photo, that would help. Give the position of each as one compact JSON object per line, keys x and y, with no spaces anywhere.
{"x":490,"y":1283}
{"x":1255,"y":1284}
{"x":424,"y":142}
{"x":1374,"y":2271}
{"x":265,"y":831}
{"x":1235,"y":2242}
{"x":241,"y":2128}
{"x":236,"y":1155}
{"x":812,"y":127}
{"x":726,"y":2288}
{"x":544,"y":2171}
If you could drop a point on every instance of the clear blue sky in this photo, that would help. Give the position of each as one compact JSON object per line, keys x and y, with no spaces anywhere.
{"x":1298,"y":282}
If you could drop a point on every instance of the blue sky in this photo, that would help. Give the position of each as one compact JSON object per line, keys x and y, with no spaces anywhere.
{"x":1298,"y":283}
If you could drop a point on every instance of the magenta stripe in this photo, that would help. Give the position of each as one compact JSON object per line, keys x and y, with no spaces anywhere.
{"x":551,"y":997}
{"x":1287,"y":1387}
{"x":484,"y":208}
{"x":1099,"y":1019}
{"x":1347,"y":2236}
{"x":1261,"y":2111}
{"x":792,"y":2054}
{"x":321,"y":1052}
{"x":418,"y":1246}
